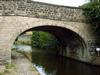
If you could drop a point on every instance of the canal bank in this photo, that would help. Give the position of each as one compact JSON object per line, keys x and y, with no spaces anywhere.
{"x":21,"y":66}
{"x":24,"y":66}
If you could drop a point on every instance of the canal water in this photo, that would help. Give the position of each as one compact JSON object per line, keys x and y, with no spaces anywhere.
{"x":51,"y":64}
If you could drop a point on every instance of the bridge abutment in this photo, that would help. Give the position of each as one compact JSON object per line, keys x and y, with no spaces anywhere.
{"x":5,"y":51}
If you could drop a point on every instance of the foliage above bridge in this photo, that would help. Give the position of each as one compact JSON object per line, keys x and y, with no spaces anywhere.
{"x":92,"y":13}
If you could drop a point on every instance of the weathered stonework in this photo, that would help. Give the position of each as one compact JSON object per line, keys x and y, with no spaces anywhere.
{"x":12,"y":26}
{"x":40,"y":10}
{"x":17,"y":16}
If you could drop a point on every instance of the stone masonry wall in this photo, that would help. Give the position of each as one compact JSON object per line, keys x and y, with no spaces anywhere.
{"x":17,"y":16}
{"x":40,"y":10}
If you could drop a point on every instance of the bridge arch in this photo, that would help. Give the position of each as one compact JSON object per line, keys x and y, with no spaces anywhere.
{"x":18,"y":25}
{"x":66,"y":37}
{"x":58,"y":32}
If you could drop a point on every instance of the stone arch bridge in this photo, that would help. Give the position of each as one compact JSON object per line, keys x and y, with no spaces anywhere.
{"x":66,"y":23}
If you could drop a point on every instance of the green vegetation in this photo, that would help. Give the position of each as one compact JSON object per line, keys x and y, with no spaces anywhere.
{"x":23,"y":42}
{"x":1,"y":74}
{"x":92,"y":13}
{"x":8,"y":69}
{"x":9,"y":66}
{"x":43,"y":40}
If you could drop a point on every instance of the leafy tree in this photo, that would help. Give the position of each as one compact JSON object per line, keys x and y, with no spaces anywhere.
{"x":35,"y":39}
{"x":43,"y":40}
{"x":92,"y":13}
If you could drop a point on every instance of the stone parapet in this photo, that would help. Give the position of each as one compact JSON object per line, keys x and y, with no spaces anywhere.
{"x":40,"y":10}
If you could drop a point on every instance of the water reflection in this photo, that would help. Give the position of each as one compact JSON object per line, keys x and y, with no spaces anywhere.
{"x":50,"y":64}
